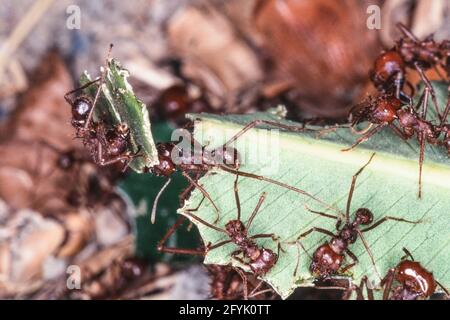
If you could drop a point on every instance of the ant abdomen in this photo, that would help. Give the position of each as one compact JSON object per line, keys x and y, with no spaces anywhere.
{"x":386,"y":67}
{"x":326,"y":261}
{"x":416,"y":278}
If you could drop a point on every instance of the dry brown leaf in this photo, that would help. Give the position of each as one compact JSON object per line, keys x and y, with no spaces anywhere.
{"x":213,"y":54}
{"x":323,"y":46}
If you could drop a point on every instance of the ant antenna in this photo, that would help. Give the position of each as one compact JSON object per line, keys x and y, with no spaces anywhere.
{"x":352,"y":188}
{"x":256,"y":210}
{"x":443,"y":288}
{"x":236,"y":196}
{"x":97,"y":94}
{"x":155,"y":203}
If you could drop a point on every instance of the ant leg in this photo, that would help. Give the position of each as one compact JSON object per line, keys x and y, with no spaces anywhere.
{"x":387,"y":218}
{"x":155,"y":202}
{"x":162,"y":248}
{"x":427,"y":83}
{"x":255,"y":123}
{"x":124,"y":157}
{"x":264,"y":235}
{"x":97,"y":94}
{"x":421,"y":157}
{"x":200,"y":220}
{"x":359,"y":290}
{"x":217,"y":245}
{"x":446,"y":112}
{"x":236,"y":197}
{"x":387,"y":283}
{"x":443,"y":288}
{"x":351,"y":265}
{"x":407,"y":32}
{"x":407,"y":254}
{"x":184,"y":194}
{"x":256,"y":210}
{"x":275,"y":182}
{"x":398,"y":132}
{"x":244,"y":282}
{"x":366,"y":137}
{"x":204,"y":192}
{"x":325,"y":131}
{"x":352,"y":188}
{"x":366,"y":245}
{"x":313,"y":229}
{"x":66,"y":96}
{"x":323,"y":214}
{"x":326,"y":215}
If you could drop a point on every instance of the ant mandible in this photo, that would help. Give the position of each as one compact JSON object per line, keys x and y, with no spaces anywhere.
{"x":329,"y":258}
{"x":415,"y":282}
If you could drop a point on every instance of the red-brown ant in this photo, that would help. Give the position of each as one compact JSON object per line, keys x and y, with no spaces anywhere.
{"x":329,"y":258}
{"x":230,"y":283}
{"x":383,"y":110}
{"x":409,"y":52}
{"x":260,"y":260}
{"x":415,"y":282}
{"x":198,"y":165}
{"x":107,"y":145}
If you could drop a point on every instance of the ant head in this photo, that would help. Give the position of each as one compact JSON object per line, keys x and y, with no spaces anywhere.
{"x":122,"y":129}
{"x":235,"y":227}
{"x":363,"y":216}
{"x":80,"y":108}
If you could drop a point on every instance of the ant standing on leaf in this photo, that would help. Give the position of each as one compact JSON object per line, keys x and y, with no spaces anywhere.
{"x":230,"y":283}
{"x":329,"y":258}
{"x":415,"y":281}
{"x":383,"y":111}
{"x":259,"y":260}
{"x":224,"y":157}
{"x":107,"y":146}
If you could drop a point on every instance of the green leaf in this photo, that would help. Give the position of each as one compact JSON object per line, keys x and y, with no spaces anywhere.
{"x":118,"y":104}
{"x":388,"y":186}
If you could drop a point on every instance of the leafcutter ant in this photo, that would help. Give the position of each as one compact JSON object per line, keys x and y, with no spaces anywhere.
{"x":197,"y":165}
{"x":230,"y":283}
{"x":383,"y":111}
{"x":415,"y":282}
{"x":107,"y":145}
{"x":329,"y":258}
{"x":258,"y":259}
{"x":389,"y":71}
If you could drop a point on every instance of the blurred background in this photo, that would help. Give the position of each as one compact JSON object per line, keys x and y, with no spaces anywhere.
{"x":219,"y":56}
